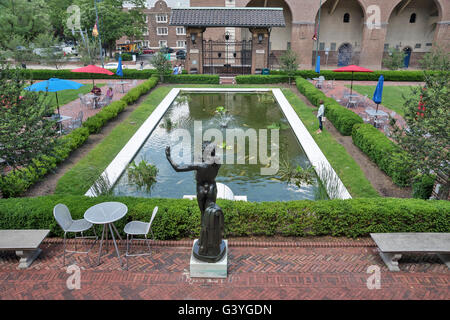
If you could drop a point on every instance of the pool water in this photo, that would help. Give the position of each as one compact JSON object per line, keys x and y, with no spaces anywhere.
{"x":245,"y":110}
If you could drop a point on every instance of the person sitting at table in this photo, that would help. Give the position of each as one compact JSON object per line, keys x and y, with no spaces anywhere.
{"x":109,"y":93}
{"x":96,"y":90}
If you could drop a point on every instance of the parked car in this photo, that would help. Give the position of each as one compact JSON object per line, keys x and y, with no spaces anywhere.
{"x":113,"y":65}
{"x":70,"y":50}
{"x":148,"y":51}
{"x":181,"y":54}
{"x":166,"y":50}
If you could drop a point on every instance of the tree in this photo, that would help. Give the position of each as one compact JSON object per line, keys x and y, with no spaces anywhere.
{"x":161,"y":64}
{"x":18,"y":50}
{"x":114,"y":21}
{"x":289,"y":63}
{"x":22,"y":18}
{"x":437,"y":59}
{"x":24,"y":133}
{"x":48,"y":53}
{"x":395,"y":59}
{"x":426,"y":136}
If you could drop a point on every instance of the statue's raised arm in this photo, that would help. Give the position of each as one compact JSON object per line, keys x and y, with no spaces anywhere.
{"x":179,"y":168}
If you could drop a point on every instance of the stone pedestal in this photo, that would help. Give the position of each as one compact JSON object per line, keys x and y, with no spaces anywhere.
{"x":200,"y":269}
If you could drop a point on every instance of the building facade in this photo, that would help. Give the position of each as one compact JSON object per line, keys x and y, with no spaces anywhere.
{"x":347,"y":31}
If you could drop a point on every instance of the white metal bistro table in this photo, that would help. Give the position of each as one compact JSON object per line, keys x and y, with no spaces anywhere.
{"x":59,"y":119}
{"x":122,"y":83}
{"x":376,"y":113}
{"x":106,"y":213}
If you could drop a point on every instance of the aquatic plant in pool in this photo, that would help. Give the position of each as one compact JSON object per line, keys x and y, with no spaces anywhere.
{"x":244,"y":111}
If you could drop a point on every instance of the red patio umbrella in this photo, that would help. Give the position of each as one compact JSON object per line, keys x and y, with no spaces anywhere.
{"x":93,"y":69}
{"x":352,"y":69}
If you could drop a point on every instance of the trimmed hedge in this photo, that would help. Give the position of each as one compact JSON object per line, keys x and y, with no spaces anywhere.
{"x":45,"y":74}
{"x":262,"y":79}
{"x":387,"y":155}
{"x":342,"y":118}
{"x":180,"y":218}
{"x":361,"y":76}
{"x":18,"y":181}
{"x":192,"y":78}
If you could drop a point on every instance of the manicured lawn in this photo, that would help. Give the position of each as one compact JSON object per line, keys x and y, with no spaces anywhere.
{"x":392,"y":96}
{"x":80,"y":178}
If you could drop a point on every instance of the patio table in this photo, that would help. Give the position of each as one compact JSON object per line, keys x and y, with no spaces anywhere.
{"x":59,"y":120}
{"x":106,"y":213}
{"x":95,"y":98}
{"x":376,"y":113}
{"x":122,"y":83}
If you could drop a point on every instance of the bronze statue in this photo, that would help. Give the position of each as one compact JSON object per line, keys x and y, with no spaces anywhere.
{"x":210,"y":247}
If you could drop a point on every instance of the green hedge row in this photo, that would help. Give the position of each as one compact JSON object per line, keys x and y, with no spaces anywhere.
{"x":361,"y":76}
{"x":342,"y":118}
{"x":44,"y":74}
{"x":18,"y":181}
{"x":262,"y":79}
{"x":180,"y":218}
{"x":387,"y":155}
{"x":193,"y":78}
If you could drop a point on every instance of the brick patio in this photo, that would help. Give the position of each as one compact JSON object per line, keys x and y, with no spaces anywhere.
{"x":279,"y":271}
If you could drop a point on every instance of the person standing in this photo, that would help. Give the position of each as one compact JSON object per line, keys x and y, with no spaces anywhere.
{"x":142,"y":65}
{"x":320,"y":114}
{"x":180,"y":70}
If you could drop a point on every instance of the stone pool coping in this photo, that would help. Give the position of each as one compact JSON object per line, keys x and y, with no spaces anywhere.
{"x":323,"y":168}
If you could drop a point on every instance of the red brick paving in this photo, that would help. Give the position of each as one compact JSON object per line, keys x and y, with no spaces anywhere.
{"x":310,"y":271}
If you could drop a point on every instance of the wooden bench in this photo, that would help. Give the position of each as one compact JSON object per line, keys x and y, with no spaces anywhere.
{"x":24,"y":242}
{"x":392,"y":245}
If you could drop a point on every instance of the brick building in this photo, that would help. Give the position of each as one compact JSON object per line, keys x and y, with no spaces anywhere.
{"x":345,"y":36}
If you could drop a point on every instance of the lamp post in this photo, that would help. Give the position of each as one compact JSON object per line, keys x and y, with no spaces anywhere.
{"x":318,"y":30}
{"x":98,"y":27}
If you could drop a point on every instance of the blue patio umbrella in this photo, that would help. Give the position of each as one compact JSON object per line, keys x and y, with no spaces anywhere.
{"x":54,"y":85}
{"x":378,"y":94}
{"x":318,"y":64}
{"x":119,"y":71}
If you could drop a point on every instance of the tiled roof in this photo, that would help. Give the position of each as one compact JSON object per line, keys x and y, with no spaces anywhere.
{"x":228,"y":17}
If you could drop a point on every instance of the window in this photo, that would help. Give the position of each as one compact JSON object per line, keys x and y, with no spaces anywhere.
{"x":288,"y":46}
{"x":181,"y":44}
{"x":322,"y":46}
{"x":181,"y":31}
{"x":162,"y":31}
{"x":346,"y":18}
{"x":418,"y":46}
{"x":145,"y":32}
{"x":162,"y":43}
{"x":429,"y":44}
{"x":386,"y":47}
{"x":333,"y":46}
{"x":146,"y":43}
{"x":161,"y":18}
{"x":412,"y":19}
{"x":146,"y":18}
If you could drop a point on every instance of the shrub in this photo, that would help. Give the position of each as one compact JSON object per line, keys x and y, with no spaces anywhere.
{"x":180,"y":218}
{"x":361,"y":76}
{"x":387,"y":155}
{"x":262,"y":79}
{"x":342,"y":118}
{"x":192,"y":78}
{"x":44,"y":74}
{"x":423,"y":186}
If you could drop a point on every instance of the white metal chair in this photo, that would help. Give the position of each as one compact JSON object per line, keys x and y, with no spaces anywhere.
{"x":104,"y":102}
{"x":76,"y":123}
{"x":85,"y":102}
{"x":64,"y":219}
{"x":133,"y":84}
{"x":138,"y":228}
{"x":352,"y":102}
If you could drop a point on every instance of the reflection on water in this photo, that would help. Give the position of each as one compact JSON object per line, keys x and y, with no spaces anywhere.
{"x":245,"y":110}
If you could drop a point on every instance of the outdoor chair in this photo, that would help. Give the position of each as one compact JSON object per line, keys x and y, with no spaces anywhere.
{"x":320,"y":81}
{"x":330,"y":84}
{"x":352,"y":102}
{"x":362,"y":102}
{"x":76,"y":123}
{"x":84,"y":101}
{"x":138,"y":228}
{"x":104,"y":102}
{"x":64,"y":219}
{"x":133,"y":84}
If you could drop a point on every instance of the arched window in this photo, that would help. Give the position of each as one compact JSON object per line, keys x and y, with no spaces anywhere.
{"x":412,"y":19}
{"x":346,"y":18}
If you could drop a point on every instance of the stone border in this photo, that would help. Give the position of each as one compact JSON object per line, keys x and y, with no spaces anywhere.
{"x":347,"y":243}
{"x":312,"y":150}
